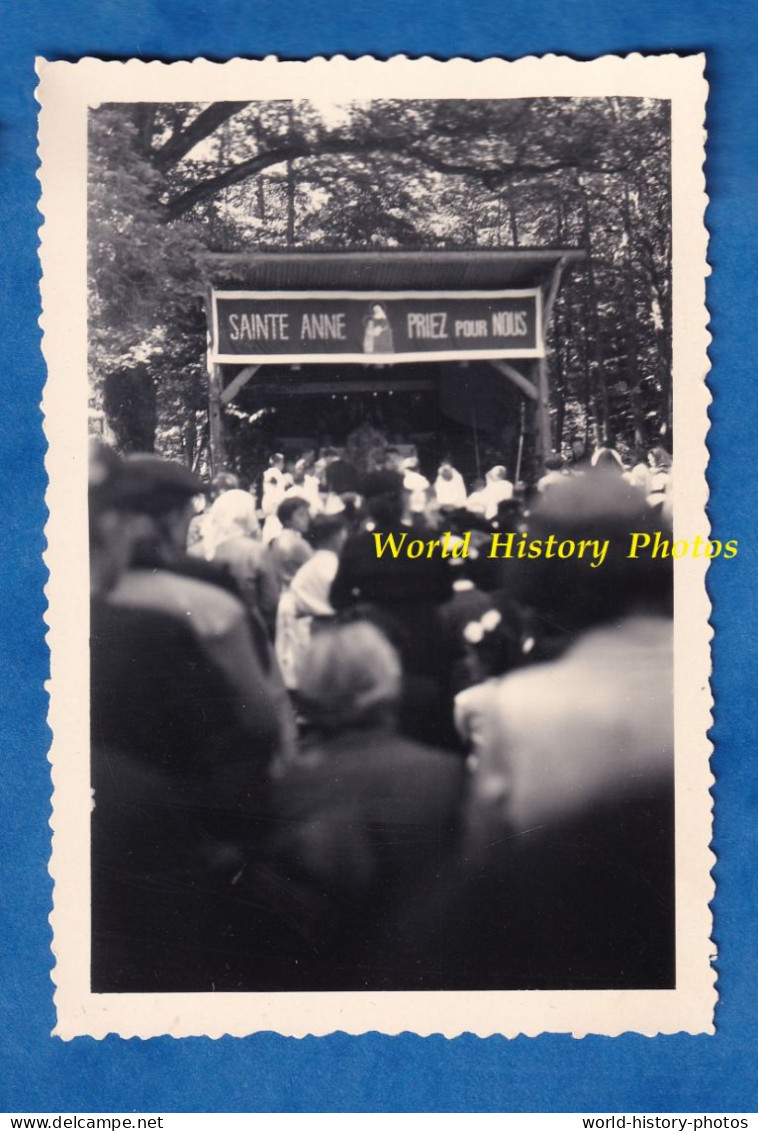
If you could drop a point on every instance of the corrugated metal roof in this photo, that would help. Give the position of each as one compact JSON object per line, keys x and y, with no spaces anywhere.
{"x":386,"y":270}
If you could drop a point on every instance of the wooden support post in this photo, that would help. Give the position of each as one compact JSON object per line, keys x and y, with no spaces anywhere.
{"x":216,"y":419}
{"x":552,"y":293}
{"x":544,"y":432}
{"x":239,"y":382}
{"x":216,"y":446}
{"x":527,"y":387}
{"x":544,"y":435}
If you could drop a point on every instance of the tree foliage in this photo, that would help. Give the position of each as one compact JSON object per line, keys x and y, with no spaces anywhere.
{"x":170,"y":183}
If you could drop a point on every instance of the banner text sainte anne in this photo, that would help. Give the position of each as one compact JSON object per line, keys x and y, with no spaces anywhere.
{"x":276,"y":326}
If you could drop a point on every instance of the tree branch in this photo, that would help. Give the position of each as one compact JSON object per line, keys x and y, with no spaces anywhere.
{"x":144,"y":120}
{"x":492,"y":177}
{"x":181,"y":142}
{"x":255,"y":165}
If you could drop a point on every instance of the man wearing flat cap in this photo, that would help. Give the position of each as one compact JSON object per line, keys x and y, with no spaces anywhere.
{"x":185,"y":722}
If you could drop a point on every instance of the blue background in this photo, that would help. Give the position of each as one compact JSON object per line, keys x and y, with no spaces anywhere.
{"x":267,"y":1073}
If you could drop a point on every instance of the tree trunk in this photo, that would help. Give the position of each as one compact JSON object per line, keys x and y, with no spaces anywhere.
{"x":291,"y":186}
{"x":630,"y":324}
{"x":290,"y":205}
{"x":595,"y":367}
{"x":129,"y":400}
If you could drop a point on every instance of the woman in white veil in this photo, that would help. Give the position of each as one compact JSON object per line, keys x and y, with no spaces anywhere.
{"x":231,"y":537}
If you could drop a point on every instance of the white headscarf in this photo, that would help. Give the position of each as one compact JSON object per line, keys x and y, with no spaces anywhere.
{"x":233,"y":515}
{"x":312,"y":584}
{"x":498,"y":490}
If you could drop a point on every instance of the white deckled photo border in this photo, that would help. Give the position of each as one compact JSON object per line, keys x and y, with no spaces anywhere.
{"x":66,"y":92}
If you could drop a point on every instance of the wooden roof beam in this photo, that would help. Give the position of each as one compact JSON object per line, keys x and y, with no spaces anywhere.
{"x":523,"y":383}
{"x":239,"y":382}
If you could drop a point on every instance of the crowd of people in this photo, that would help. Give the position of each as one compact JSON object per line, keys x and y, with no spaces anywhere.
{"x":317,"y":768}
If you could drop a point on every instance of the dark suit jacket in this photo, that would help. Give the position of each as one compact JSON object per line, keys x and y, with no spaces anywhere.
{"x":585,"y":902}
{"x":181,"y":799}
{"x":403,"y":597}
{"x":367,"y":818}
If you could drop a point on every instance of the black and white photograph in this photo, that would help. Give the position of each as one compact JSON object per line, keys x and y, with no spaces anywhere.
{"x":389,"y":512}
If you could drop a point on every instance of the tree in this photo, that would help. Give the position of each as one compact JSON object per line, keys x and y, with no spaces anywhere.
{"x":171,"y":182}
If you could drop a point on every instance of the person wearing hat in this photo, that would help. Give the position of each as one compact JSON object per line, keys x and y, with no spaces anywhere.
{"x":404,"y":595}
{"x":567,"y":877}
{"x":164,"y":576}
{"x":365,"y":813}
{"x":305,"y":601}
{"x":185,"y":723}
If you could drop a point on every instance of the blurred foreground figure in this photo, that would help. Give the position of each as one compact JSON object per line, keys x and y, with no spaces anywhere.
{"x":364,"y":816}
{"x":567,"y":880}
{"x":305,"y":604}
{"x":403,"y":596}
{"x":185,"y":722}
{"x":219,"y":484}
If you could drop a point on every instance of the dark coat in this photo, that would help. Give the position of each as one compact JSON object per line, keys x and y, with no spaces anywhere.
{"x":181,"y":800}
{"x":403,"y":597}
{"x":582,"y":903}
{"x":366,"y":817}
